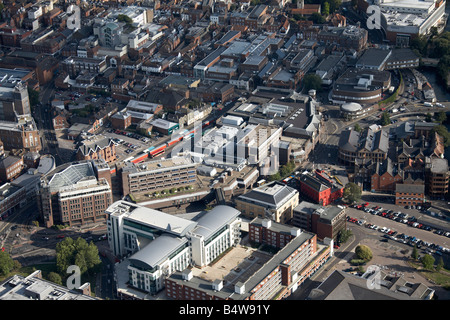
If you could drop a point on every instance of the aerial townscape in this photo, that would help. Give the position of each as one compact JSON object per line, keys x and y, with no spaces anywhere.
{"x":233,"y":150}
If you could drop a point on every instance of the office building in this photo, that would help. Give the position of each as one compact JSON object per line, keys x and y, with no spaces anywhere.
{"x":75,"y":194}
{"x":157,"y":175}
{"x":275,"y":201}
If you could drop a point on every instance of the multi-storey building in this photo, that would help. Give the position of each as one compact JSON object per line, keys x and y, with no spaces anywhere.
{"x":97,"y":147}
{"x":409,"y":194}
{"x":14,"y":98}
{"x":325,"y":222}
{"x":157,"y":175}
{"x":20,"y":134}
{"x":275,"y":201}
{"x":11,"y":197}
{"x":75,"y":65}
{"x":281,"y":275}
{"x":320,"y":187}
{"x":75,"y":194}
{"x":10,"y":168}
{"x":160,"y":244}
{"x":371,"y":144}
{"x":437,"y":177}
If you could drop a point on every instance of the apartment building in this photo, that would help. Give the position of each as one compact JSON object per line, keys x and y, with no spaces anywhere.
{"x":276,"y":279}
{"x":158,"y":175}
{"x":75,"y":194}
{"x":275,"y":201}
{"x":159,"y":244}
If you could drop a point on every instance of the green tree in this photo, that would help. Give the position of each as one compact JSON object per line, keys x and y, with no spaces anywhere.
{"x":344,"y":235}
{"x":76,"y":252}
{"x":33,"y":96}
{"x":317,"y":18}
{"x":55,"y":278}
{"x":312,"y":81}
{"x":442,"y":131}
{"x":357,"y":127}
{"x":124,"y":18}
{"x":428,"y":261}
{"x":6,"y":263}
{"x":385,"y":119}
{"x":363,"y":252}
{"x":326,"y":9}
{"x":441,"y":117}
{"x":415,"y":253}
{"x":428,"y":117}
{"x":352,"y":192}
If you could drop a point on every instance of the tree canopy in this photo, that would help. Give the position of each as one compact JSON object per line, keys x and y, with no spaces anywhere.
{"x":352,"y":192}
{"x":6,"y":263}
{"x":312,"y":81}
{"x":363,"y":252}
{"x":76,"y":252}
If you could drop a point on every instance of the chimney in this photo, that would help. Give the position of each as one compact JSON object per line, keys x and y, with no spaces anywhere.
{"x":267,"y":223}
{"x":217,"y":285}
{"x":295,"y":232}
{"x":239,"y":288}
{"x":187,"y":275}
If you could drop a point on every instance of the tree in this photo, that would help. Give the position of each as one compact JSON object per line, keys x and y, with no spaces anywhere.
{"x":443,"y":132}
{"x":326,"y":9}
{"x":76,"y":252}
{"x":415,"y":253}
{"x":441,"y":117}
{"x":428,"y":261}
{"x":344,"y":235}
{"x":385,"y":119}
{"x":428,"y":117}
{"x":317,"y":18}
{"x":6,"y":263}
{"x":55,"y":277}
{"x":352,"y":192}
{"x":363,"y":252}
{"x":312,"y":81}
{"x":33,"y":96}
{"x":357,"y":127}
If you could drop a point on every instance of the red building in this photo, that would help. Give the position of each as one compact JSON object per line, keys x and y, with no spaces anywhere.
{"x":320,"y":188}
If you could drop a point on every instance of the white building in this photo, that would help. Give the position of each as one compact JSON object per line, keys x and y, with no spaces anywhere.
{"x":158,"y":244}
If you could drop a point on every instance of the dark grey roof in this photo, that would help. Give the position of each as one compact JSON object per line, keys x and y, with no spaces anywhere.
{"x":345,"y":286}
{"x":410,"y":188}
{"x":349,"y":140}
{"x":313,"y":182}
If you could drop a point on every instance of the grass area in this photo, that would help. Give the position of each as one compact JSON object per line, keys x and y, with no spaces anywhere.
{"x":441,"y":278}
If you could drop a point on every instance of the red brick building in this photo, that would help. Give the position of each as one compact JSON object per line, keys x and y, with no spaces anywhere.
{"x":409,"y":194}
{"x":319,"y":188}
